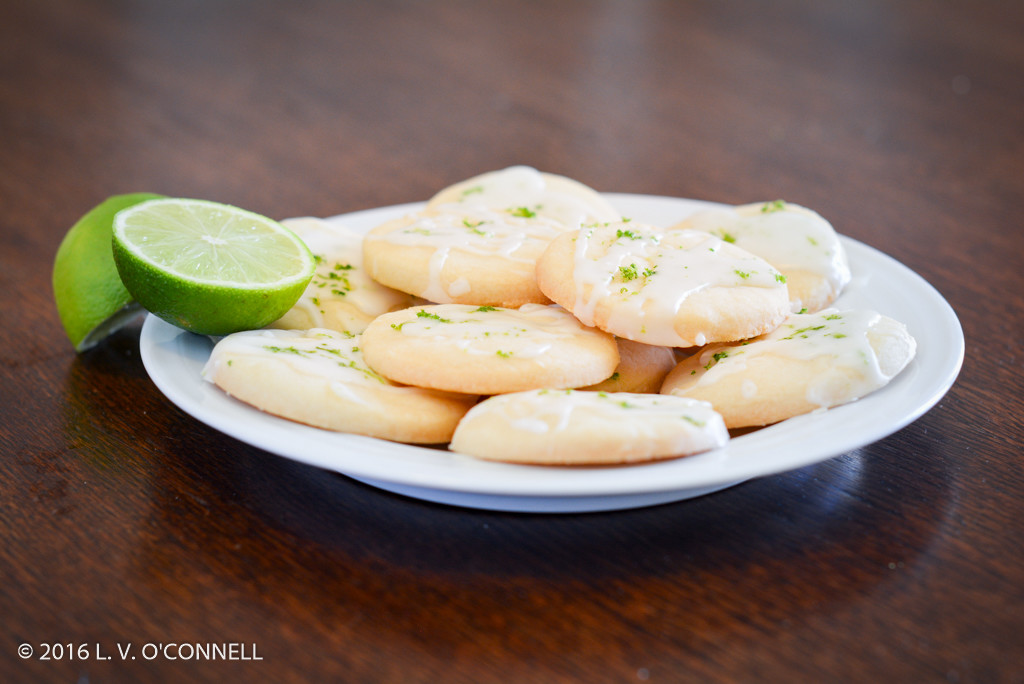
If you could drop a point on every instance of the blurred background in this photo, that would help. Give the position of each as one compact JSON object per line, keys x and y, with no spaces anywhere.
{"x":266,"y":123}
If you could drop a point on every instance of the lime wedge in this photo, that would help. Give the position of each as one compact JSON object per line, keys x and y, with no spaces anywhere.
{"x":207,"y":267}
{"x":91,"y":301}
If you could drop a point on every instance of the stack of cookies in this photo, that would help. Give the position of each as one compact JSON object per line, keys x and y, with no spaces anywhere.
{"x":519,"y":317}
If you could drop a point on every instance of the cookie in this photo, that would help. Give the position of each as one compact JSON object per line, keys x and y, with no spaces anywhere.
{"x":566,"y":427}
{"x":797,"y":241}
{"x":678,"y":288}
{"x":525,"y":189}
{"x":488,"y":350}
{"x":642,"y":369}
{"x":342,"y":296}
{"x":462,"y":255}
{"x":810,"y":362}
{"x":319,"y":378}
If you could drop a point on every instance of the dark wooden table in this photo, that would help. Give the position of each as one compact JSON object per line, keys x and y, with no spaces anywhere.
{"x":125,"y":521}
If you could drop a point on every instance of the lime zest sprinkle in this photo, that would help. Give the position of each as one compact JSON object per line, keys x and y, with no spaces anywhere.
{"x":628,"y":273}
{"x":802,"y":332}
{"x":433,"y":316}
{"x":715,"y":358}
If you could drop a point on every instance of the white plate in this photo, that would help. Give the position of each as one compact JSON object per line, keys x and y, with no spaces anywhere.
{"x":174,"y":359}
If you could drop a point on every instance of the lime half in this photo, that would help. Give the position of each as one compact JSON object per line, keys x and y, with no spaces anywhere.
{"x":207,"y":267}
{"x":91,"y":301}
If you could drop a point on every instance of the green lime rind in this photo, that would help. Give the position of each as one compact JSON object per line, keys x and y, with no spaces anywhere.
{"x":202,"y":301}
{"x":91,"y":300}
{"x":224,"y":310}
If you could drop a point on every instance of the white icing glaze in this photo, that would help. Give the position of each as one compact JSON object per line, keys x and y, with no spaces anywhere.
{"x":649,"y":273}
{"x":345,"y":391}
{"x":328,"y":355}
{"x":530,"y":424}
{"x":459,"y":287}
{"x":841,"y":336}
{"x":527,"y":332}
{"x":549,"y":412}
{"x":550,"y":196}
{"x":787,"y":236}
{"x":480,"y":230}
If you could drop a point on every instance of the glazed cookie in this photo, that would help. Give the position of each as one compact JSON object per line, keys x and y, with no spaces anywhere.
{"x":488,"y":350}
{"x":319,"y":378}
{"x":797,"y":241}
{"x":525,"y":189}
{"x":812,"y":361}
{"x":341,"y":296}
{"x":566,"y":427}
{"x":642,"y":368}
{"x":678,"y":288}
{"x":462,"y":255}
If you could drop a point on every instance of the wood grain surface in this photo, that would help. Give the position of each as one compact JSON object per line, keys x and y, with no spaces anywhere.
{"x":125,"y":521}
